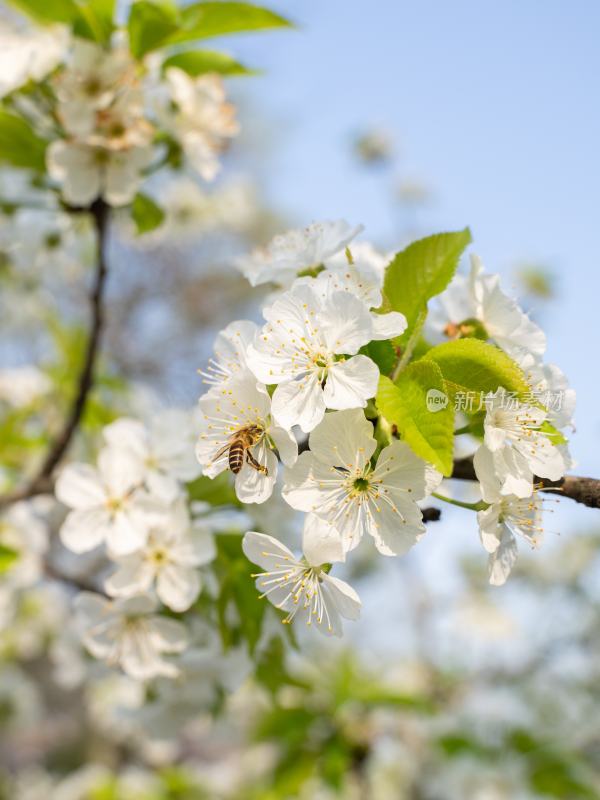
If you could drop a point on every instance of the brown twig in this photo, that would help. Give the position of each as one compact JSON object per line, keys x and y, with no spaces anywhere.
{"x":42,"y":481}
{"x":577,"y":488}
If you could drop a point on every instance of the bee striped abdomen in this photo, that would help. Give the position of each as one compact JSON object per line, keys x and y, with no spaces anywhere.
{"x":236,"y":457}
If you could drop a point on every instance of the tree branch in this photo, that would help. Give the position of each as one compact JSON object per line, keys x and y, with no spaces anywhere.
{"x":577,"y":488}
{"x":42,"y":482}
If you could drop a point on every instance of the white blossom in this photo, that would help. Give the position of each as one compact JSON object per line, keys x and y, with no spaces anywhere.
{"x":20,"y":386}
{"x":308,"y":349}
{"x":163,"y":449}
{"x":108,"y":505}
{"x":336,"y":481}
{"x":29,"y":55}
{"x":551,"y":387}
{"x":87,"y":171}
{"x":505,"y":518}
{"x":302,"y":587}
{"x":240,"y":409}
{"x":369,"y":262}
{"x":297,"y":250}
{"x":89,"y":83}
{"x":519,"y":448}
{"x":478,"y":298}
{"x":168,"y":561}
{"x":202,"y":121}
{"x":48,"y":243}
{"x":230,"y":348}
{"x":361,"y":284}
{"x":129,"y":634}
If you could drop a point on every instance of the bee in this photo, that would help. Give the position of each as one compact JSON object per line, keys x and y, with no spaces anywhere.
{"x":238,"y":449}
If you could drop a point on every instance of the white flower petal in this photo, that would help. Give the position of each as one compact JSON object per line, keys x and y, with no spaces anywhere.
{"x":286,"y":444}
{"x":490,"y":530}
{"x":351,"y":383}
{"x":345,"y":323}
{"x":386,"y":326}
{"x":177,"y":587}
{"x":120,"y":470}
{"x":252,"y":486}
{"x":79,"y":486}
{"x":344,"y":597}
{"x":344,"y":439}
{"x":321,"y":542}
{"x":300,"y":403}
{"x":85,"y":529}
{"x":168,"y":635}
{"x":266,"y":551}
{"x":126,"y":533}
{"x":132,"y":576}
{"x":503,"y":559}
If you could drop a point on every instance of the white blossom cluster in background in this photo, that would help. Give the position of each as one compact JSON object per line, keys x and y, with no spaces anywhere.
{"x":113,"y":120}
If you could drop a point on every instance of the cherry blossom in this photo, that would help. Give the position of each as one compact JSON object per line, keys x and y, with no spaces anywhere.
{"x":297,"y":250}
{"x":107,"y":503}
{"x":169,"y":559}
{"x":129,"y":634}
{"x":518,"y":446}
{"x":302,"y":587}
{"x":506,"y":518}
{"x":336,"y":481}
{"x":164,"y":449}
{"x":202,"y":121}
{"x":308,"y":349}
{"x":241,"y":408}
{"x":475,"y":304}
{"x":230,"y":348}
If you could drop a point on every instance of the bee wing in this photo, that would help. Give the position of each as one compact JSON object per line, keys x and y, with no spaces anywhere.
{"x":221,"y":452}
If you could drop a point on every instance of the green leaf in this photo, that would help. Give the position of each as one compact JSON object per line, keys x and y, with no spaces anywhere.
{"x":555,"y":436}
{"x":8,"y":556}
{"x":204,"y":20}
{"x":237,"y":589}
{"x":382,"y":353}
{"x":199,"y":62}
{"x":90,"y":19}
{"x":217,"y":491}
{"x":421,"y":271}
{"x":146,"y":214}
{"x":150,"y":24}
{"x":470,"y":365}
{"x":45,"y":13}
{"x":19,"y":145}
{"x":96,"y":17}
{"x":407,"y":404}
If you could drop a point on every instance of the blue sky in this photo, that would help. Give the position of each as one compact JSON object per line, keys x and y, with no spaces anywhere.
{"x":495,"y":106}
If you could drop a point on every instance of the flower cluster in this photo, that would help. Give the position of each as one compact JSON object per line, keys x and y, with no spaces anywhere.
{"x":302,"y":372}
{"x":310,"y":370}
{"x":522,"y":442}
{"x":110,"y":119}
{"x":134,"y":504}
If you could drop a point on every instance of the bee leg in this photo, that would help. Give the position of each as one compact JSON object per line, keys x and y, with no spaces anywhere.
{"x":254,"y":463}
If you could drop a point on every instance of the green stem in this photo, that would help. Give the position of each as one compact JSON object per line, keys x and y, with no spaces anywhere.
{"x":480,"y":506}
{"x":465,"y":429}
{"x":410,"y":345}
